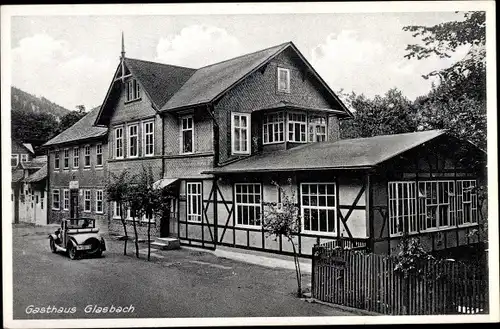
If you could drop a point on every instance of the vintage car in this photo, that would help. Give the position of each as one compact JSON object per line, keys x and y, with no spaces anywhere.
{"x":77,"y":237}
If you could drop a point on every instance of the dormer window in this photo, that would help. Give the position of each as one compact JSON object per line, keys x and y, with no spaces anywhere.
{"x":283,"y":80}
{"x":133,"y":90}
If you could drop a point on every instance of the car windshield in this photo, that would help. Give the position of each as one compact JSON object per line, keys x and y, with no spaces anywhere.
{"x":81,"y":223}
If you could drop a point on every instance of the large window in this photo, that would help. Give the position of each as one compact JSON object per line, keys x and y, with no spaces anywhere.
{"x":318,"y":207}
{"x":87,"y":200}
{"x":56,"y":199}
{"x":283,"y":80}
{"x":194,"y":202}
{"x":133,"y":90}
{"x":240,"y":133}
{"x":440,"y":204}
{"x":317,"y":128}
{"x":66,"y":199}
{"x":148,"y":143}
{"x":133,"y":150}
{"x":187,"y":135}
{"x":297,"y":127}
{"x":86,"y":156}
{"x":76,"y":158}
{"x":467,"y":202}
{"x":402,"y":208}
{"x":273,"y":128}
{"x":99,"y":196}
{"x":119,"y":142}
{"x":66,"y":158}
{"x":248,"y":204}
{"x":117,"y":210}
{"x":98,"y":152}
{"x":56,"y":160}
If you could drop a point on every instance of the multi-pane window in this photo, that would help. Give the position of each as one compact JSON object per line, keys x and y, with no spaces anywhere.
{"x":56,"y":199}
{"x":240,"y":133}
{"x":14,"y":160}
{"x":273,"y":128}
{"x":297,"y":127}
{"x":317,"y":128}
{"x":436,"y":198}
{"x":76,"y":157}
{"x":24,"y":157}
{"x":66,"y":199}
{"x":56,"y":159}
{"x":87,"y":197}
{"x":148,"y":144}
{"x":99,"y":195}
{"x":248,"y":204}
{"x":133,"y":150}
{"x":66,"y":158}
{"x":117,"y":210}
{"x":187,"y":134}
{"x":467,"y":202}
{"x":194,"y":201}
{"x":133,"y":90}
{"x":86,"y":156}
{"x":98,"y":152}
{"x":318,"y":207}
{"x":283,"y":80}
{"x":119,"y":142}
{"x":402,"y":208}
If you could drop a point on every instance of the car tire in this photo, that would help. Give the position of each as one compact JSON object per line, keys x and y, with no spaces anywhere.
{"x":72,"y":252}
{"x":53,"y":245}
{"x":98,"y":253}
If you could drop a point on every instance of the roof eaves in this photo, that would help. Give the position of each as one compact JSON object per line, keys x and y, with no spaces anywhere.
{"x":98,"y":117}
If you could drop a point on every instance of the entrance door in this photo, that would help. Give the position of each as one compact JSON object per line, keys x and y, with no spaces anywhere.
{"x":73,"y":204}
{"x":169,"y":219}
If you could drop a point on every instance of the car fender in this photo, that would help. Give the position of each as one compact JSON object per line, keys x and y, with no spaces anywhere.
{"x":82,"y":237}
{"x":53,"y":236}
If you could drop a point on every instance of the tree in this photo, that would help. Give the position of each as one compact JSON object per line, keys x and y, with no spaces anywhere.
{"x":33,"y":127}
{"x":383,"y":115}
{"x":283,"y":220}
{"x":71,"y":118}
{"x":458,"y":101}
{"x":117,"y":191}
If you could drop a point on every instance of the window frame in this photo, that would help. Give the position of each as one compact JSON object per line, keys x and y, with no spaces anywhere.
{"x":248,"y":129}
{"x":255,"y":205}
{"x":97,"y":153}
{"x":58,"y":193}
{"x":24,"y":157}
{"x":473,"y":203}
{"x":16,"y":156}
{"x":65,"y":199}
{"x":190,"y":215}
{"x":120,"y":139}
{"x":272,"y":125}
{"x":66,"y":158}
{"x":76,"y":156}
{"x":145,"y":138}
{"x":57,"y":160}
{"x":182,"y":130}
{"x":97,"y":200}
{"x":315,"y":125}
{"x":288,"y":88}
{"x":132,"y":90}
{"x":423,"y":214}
{"x":116,"y":205}
{"x":129,"y":140}
{"x":85,"y":156}
{"x":412,"y":206}
{"x":85,"y":200}
{"x":293,"y":123}
{"x":317,"y":207}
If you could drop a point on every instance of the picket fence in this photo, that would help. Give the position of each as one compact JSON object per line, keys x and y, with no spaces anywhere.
{"x":368,"y":281}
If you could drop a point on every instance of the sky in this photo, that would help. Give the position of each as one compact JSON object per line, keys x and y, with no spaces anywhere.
{"x":70,"y":59}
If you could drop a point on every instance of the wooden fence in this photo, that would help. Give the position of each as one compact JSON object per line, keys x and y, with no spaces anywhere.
{"x":368,"y":281}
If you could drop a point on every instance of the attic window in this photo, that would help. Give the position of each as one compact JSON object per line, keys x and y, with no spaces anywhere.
{"x":133,"y":90}
{"x":283,"y":80}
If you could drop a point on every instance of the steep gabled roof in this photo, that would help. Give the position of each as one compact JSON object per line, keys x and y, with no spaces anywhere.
{"x":37,"y":176}
{"x":35,"y":163}
{"x":83,"y":129}
{"x":209,"y":81}
{"x":359,"y":153}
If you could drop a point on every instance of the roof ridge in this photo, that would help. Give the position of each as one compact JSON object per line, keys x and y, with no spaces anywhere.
{"x":398,"y":134}
{"x":178,"y":66}
{"x":247,"y":54}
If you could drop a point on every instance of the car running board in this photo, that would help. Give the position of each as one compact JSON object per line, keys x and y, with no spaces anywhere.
{"x":59,"y":248}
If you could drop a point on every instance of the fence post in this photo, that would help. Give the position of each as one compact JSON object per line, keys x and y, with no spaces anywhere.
{"x":313,"y":272}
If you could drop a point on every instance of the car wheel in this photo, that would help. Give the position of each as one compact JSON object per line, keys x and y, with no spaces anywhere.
{"x":98,"y":253}
{"x":53,"y":245}
{"x":72,"y":252}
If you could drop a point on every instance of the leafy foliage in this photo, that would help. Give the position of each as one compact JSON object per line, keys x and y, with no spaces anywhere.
{"x":71,"y":118}
{"x":33,"y":127}
{"x":411,"y":258}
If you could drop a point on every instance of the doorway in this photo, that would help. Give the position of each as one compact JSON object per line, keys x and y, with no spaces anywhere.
{"x":73,"y":204}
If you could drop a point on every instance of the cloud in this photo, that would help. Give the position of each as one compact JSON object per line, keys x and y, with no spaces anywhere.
{"x":50,"y":68}
{"x":371,"y":67}
{"x":198,"y":45}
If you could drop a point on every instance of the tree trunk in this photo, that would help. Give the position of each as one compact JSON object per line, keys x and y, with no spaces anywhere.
{"x":124,"y":230}
{"x":297,"y":268}
{"x":136,"y":238}
{"x":149,"y":239}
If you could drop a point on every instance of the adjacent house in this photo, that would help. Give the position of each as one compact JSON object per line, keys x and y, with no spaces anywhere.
{"x":21,"y":152}
{"x":29,"y":191}
{"x":77,"y":171}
